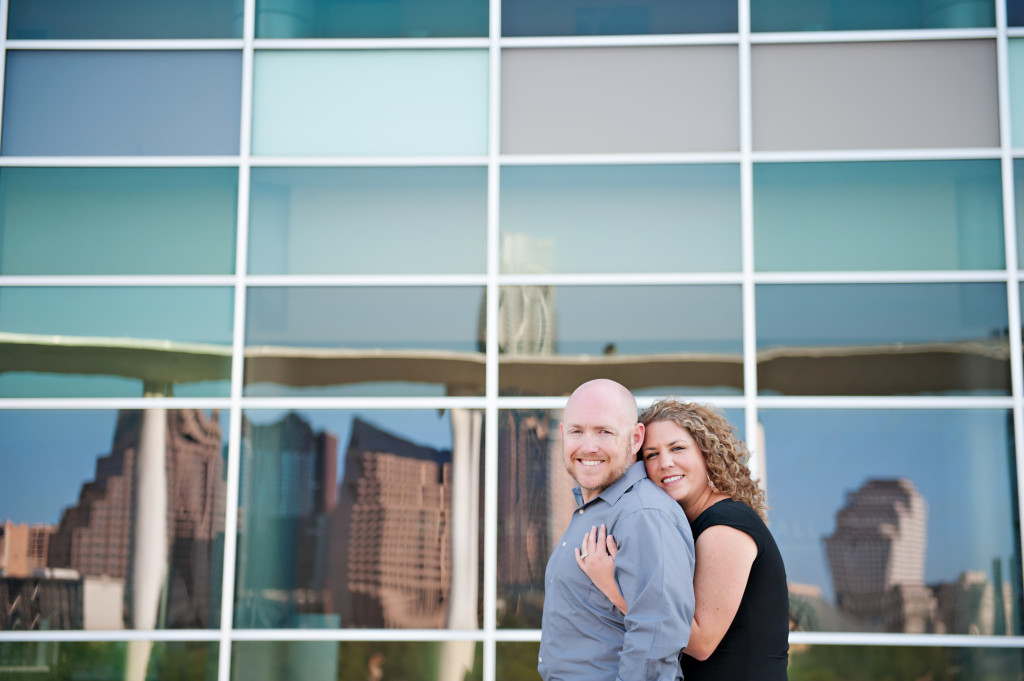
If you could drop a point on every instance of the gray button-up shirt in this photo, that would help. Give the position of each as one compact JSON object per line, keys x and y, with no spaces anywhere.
{"x":583,"y":636}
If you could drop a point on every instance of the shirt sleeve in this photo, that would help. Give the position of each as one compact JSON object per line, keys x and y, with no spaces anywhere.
{"x":654,"y":568}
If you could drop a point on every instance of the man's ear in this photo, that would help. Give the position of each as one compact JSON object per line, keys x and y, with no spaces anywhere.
{"x":638,"y":437}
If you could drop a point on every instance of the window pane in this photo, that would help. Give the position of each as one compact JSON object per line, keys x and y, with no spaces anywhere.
{"x":550,"y":214}
{"x":878,"y":543}
{"x":1015,"y":65}
{"x":122,"y":103}
{"x":1015,"y":12}
{"x":99,"y":19}
{"x":364,"y":519}
{"x":368,"y":221}
{"x":868,"y":15}
{"x":108,"y":660}
{"x":356,"y":661}
{"x":379,"y":19}
{"x":115,"y":342}
{"x":924,"y":215}
{"x":99,"y":541}
{"x":882,"y":339}
{"x":553,"y":338}
{"x":875,"y":95}
{"x":118,"y":220}
{"x":1018,"y":193}
{"x":396,"y":102}
{"x":865,"y":663}
{"x":577,"y":17}
{"x":365,"y":341}
{"x":619,"y":100}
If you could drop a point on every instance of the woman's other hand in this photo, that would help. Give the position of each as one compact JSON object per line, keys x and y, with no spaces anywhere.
{"x":596,"y":557}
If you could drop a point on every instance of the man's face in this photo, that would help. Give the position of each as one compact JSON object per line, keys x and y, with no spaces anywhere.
{"x":599,"y":439}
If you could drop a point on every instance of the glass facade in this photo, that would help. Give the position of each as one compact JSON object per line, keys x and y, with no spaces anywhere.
{"x":292,"y":293}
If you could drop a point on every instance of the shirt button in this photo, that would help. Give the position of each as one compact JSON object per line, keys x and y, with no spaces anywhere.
{"x":563,"y":543}
{"x":581,"y":511}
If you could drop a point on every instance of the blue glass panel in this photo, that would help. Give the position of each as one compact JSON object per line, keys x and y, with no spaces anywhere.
{"x":126,"y":103}
{"x":118,"y":220}
{"x":1015,"y":12}
{"x":378,"y":19}
{"x":368,"y":221}
{"x":115,"y":342}
{"x":906,"y":215}
{"x":852,"y":15}
{"x":101,"y":19}
{"x":882,"y":339}
{"x":620,"y":17}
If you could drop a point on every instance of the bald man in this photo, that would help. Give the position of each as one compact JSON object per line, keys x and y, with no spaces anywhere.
{"x":583,"y":636}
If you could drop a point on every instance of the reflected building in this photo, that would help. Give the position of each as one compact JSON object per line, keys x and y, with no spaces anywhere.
{"x":23,"y":548}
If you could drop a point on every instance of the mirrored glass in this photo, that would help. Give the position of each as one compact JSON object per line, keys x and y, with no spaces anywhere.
{"x":380,"y":103}
{"x":357,"y":661}
{"x":910,"y":525}
{"x":112,"y":519}
{"x":379,"y":19}
{"x":865,"y":663}
{"x":108,"y":660}
{"x":553,"y":338}
{"x":882,"y":339}
{"x":365,"y":341}
{"x":360,"y":519}
{"x":905,"y":215}
{"x":690,"y":214}
{"x":121,"y":103}
{"x":368,"y":221}
{"x":103,"y":19}
{"x":118,"y":220}
{"x":115,"y":342}
{"x":868,"y":15}
{"x":620,"y":17}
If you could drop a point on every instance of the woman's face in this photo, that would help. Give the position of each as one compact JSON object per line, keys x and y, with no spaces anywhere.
{"x":674,"y":462}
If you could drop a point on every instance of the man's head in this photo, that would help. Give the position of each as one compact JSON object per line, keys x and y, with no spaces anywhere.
{"x":600,"y":435}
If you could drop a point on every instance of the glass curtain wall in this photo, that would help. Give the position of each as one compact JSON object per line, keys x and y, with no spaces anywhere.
{"x":292,"y":293}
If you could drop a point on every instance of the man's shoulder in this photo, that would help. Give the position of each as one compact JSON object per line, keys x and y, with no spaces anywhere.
{"x":645,"y":495}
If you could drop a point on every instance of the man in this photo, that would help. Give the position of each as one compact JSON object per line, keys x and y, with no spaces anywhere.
{"x":583,"y":636}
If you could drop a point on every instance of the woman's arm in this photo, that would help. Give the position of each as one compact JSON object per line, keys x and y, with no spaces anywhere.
{"x":596,"y":557}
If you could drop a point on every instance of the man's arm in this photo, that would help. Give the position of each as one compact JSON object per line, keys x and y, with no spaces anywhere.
{"x":654,"y":568}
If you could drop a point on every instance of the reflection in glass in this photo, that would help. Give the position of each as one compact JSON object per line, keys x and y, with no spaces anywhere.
{"x":380,"y":19}
{"x":620,"y":17}
{"x":878,"y":216}
{"x":910,"y":525}
{"x":516,"y":661}
{"x":105,"y":660}
{"x":867,"y":663}
{"x":121,"y":103}
{"x":100,"y":19}
{"x":118,"y":220}
{"x":1015,"y":68}
{"x":131,"y":538}
{"x":1018,"y":193}
{"x":365,"y":341}
{"x":690,"y":218}
{"x":360,"y":520}
{"x":115,"y":342}
{"x":882,"y":339}
{"x":368,"y":221}
{"x":652,"y":339}
{"x":861,"y":15}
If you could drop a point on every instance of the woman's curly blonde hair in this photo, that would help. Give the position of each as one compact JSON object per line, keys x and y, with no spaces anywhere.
{"x":724,"y":453}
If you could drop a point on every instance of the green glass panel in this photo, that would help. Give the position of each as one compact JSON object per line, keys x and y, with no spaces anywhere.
{"x":368,"y":221}
{"x":905,"y":215}
{"x":379,"y":19}
{"x":356,"y":661}
{"x":866,"y":15}
{"x":108,"y":660}
{"x":689,"y":214}
{"x":104,"y":19}
{"x":118,"y":220}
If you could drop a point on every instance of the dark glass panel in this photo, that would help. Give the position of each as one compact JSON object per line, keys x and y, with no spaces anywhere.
{"x":868,"y":15}
{"x":620,"y":17}
{"x":104,"y":19}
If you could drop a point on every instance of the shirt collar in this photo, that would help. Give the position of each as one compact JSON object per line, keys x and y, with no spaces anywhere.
{"x":612,"y":492}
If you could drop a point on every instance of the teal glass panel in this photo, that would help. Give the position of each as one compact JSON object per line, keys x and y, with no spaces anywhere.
{"x":359,"y":519}
{"x":379,"y":19}
{"x":882,"y":339}
{"x":108,"y":660}
{"x":867,"y":15}
{"x":118,"y":220}
{"x":863,"y":663}
{"x":78,"y":530}
{"x":904,"y":215}
{"x":674,"y":339}
{"x":657,"y":218}
{"x":115,"y":342}
{"x":1018,"y":203}
{"x":122,"y":103}
{"x":104,"y":19}
{"x":379,"y":103}
{"x":386,"y":340}
{"x":877,"y":543}
{"x":620,"y":17}
{"x":1015,"y":64}
{"x":368,"y":221}
{"x":355,"y":661}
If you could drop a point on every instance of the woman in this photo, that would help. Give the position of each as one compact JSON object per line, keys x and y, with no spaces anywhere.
{"x":741,"y":623}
